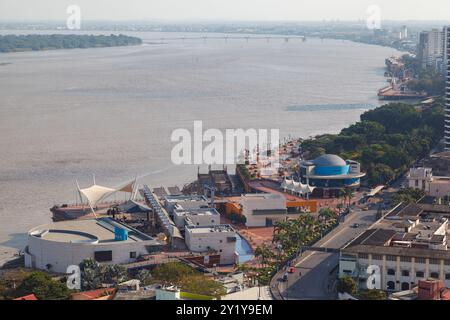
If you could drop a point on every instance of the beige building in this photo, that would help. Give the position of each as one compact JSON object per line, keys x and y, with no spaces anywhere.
{"x":220,"y":239}
{"x":422,"y":178}
{"x":198,"y":217}
{"x":408,"y":244}
{"x":263,"y":209}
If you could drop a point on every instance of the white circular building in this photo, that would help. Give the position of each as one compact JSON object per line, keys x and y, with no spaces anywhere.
{"x":56,"y":246}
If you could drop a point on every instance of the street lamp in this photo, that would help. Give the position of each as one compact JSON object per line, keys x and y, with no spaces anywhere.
{"x":259,"y":288}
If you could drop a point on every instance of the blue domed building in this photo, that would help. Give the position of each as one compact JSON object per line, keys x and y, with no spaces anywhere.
{"x":330,"y":173}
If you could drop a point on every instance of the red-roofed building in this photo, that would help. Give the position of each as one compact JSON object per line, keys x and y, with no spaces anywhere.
{"x":28,"y":297}
{"x":98,"y":294}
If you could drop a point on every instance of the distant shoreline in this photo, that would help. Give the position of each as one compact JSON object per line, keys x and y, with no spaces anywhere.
{"x":38,"y":42}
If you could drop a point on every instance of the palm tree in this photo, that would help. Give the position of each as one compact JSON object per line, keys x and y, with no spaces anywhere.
{"x":347,"y":193}
{"x":327,"y":214}
{"x":265,"y":253}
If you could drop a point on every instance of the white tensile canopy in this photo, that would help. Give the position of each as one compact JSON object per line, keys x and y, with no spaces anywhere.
{"x":296,"y":187}
{"x":96,"y":193}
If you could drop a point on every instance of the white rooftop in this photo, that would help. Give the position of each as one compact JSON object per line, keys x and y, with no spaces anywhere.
{"x":210,"y":229}
{"x":86,"y":230}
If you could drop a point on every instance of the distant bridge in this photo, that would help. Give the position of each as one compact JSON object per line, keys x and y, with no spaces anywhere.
{"x":226,"y":38}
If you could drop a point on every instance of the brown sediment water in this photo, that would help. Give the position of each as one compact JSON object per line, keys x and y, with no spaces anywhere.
{"x":68,"y":114}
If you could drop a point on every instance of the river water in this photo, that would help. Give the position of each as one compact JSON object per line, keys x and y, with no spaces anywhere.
{"x":68,"y":114}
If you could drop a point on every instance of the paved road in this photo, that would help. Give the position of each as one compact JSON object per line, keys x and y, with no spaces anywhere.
{"x":316,"y":271}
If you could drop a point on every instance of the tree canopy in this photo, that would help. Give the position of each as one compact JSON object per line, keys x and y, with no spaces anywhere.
{"x":348,"y":285}
{"x":386,"y":141}
{"x":188,"y":279}
{"x":35,"y":42}
{"x":43,"y":287}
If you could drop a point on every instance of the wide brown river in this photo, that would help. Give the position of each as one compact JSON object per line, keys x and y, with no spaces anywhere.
{"x":68,"y":114}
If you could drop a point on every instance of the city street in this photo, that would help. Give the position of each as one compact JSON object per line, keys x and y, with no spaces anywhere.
{"x":316,"y":272}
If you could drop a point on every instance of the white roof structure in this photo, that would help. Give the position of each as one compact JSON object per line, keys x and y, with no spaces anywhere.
{"x":96,"y":193}
{"x":296,"y":187}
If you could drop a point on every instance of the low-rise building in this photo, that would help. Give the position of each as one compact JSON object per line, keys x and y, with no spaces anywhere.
{"x":196,"y":217}
{"x":408,"y":244}
{"x":55,"y":246}
{"x":219,"y":238}
{"x":263,"y":209}
{"x":186,"y":201}
{"x":422,"y":178}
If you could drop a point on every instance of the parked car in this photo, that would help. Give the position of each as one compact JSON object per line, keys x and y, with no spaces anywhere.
{"x":292,"y":270}
{"x":285,"y":277}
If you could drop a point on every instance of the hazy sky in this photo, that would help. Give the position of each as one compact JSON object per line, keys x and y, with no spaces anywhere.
{"x":298,"y":10}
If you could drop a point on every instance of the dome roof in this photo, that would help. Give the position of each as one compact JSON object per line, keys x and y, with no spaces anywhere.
{"x":329,"y":160}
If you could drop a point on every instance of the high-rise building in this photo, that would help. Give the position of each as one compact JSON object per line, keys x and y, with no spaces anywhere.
{"x":430,"y":50}
{"x":404,"y":33}
{"x":447,"y":90}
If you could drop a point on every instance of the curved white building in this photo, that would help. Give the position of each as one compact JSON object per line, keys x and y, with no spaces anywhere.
{"x":55,"y":246}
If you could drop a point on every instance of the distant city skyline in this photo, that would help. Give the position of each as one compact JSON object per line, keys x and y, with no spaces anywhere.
{"x":229,"y":10}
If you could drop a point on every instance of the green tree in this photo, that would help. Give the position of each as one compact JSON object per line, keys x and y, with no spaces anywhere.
{"x":43,"y":287}
{"x":113,"y":274}
{"x":327,"y":214}
{"x":408,"y":195}
{"x":348,"y":285}
{"x":145,"y":276}
{"x":347,"y":194}
{"x":91,"y":277}
{"x":172,"y":272}
{"x":198,"y":284}
{"x":265,"y":253}
{"x":373,"y":294}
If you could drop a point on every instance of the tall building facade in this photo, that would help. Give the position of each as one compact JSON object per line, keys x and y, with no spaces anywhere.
{"x":430,"y":50}
{"x":447,"y":90}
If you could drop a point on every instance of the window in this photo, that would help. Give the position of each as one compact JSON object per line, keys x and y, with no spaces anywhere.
{"x":103,"y":256}
{"x":435,"y":261}
{"x":220,"y":241}
{"x":416,"y":183}
{"x":377,"y":257}
{"x":363,"y":256}
{"x":434,"y":275}
{"x":420,"y":260}
{"x":405,"y":286}
{"x":405,"y":273}
{"x":133,"y":255}
{"x":347,"y":271}
{"x":391,"y":285}
{"x":447,"y":276}
{"x":391,"y":272}
{"x":405,"y":259}
{"x":391,"y":258}
{"x":420,"y":274}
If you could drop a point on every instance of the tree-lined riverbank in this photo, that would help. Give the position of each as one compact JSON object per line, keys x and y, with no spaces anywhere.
{"x":17,"y":43}
{"x":387,"y":140}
